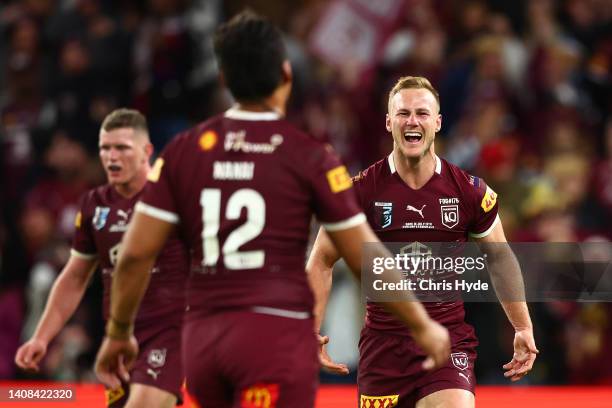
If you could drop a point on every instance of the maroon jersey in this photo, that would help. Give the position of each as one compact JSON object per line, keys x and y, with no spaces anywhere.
{"x":100,"y":224}
{"x":243,"y":187}
{"x":451,"y":206}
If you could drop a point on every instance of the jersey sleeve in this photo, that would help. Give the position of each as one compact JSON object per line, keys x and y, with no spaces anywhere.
{"x":485,"y":208}
{"x":335,"y":200}
{"x":83,"y":244}
{"x":159,"y":197}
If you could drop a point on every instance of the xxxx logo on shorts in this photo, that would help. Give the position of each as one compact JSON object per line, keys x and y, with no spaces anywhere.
{"x":259,"y":396}
{"x":387,"y":401}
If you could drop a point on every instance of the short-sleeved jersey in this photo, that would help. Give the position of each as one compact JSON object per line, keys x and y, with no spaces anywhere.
{"x":451,"y":207}
{"x":243,"y":187}
{"x":103,"y":218}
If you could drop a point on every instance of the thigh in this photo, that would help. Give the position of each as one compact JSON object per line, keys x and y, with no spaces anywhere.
{"x":142,"y":395}
{"x":159,"y":360}
{"x":448,"y":398}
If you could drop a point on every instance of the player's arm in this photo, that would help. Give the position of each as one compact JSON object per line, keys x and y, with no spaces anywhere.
{"x":319,"y":270}
{"x":429,"y":335}
{"x":507,"y":280}
{"x":66,"y":294}
{"x":142,"y":242}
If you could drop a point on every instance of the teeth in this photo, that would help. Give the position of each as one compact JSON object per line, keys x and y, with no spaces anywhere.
{"x":412,"y":134}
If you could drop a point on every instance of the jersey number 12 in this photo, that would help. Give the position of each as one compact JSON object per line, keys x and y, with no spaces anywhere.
{"x":210,"y":200}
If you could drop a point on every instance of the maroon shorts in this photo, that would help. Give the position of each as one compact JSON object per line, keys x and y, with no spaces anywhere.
{"x":390,"y":368}
{"x":158,"y":363}
{"x":245,"y":359}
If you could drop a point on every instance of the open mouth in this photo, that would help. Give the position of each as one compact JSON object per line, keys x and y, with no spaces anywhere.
{"x":413,"y":137}
{"x":113,"y":168}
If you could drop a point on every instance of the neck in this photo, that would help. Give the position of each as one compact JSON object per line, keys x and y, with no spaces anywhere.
{"x":275,"y":102}
{"x":134,"y":186}
{"x":415,"y":172}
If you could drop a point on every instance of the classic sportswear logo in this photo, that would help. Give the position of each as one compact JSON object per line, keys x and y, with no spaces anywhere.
{"x":339,"y":179}
{"x":386,"y":401}
{"x":420,"y":212}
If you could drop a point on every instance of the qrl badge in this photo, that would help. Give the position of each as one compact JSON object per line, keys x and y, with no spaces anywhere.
{"x":100,"y":217}
{"x":384,"y":213}
{"x":450,"y":215}
{"x":157,"y":358}
{"x":460,"y":360}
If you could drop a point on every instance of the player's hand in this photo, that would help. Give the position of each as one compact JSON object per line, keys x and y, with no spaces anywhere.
{"x":433,"y":338}
{"x":114,"y":360}
{"x":525,"y":352}
{"x":326,"y":362}
{"x":30,"y":354}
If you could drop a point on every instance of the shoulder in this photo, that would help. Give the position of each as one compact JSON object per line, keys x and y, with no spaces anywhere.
{"x":374,"y":172}
{"x":472,"y":187}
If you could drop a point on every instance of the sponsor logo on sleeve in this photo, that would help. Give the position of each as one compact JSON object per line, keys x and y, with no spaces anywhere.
{"x":489,"y":200}
{"x":155,"y":172}
{"x":208,"y":140}
{"x":100,"y":217}
{"x":259,"y":396}
{"x":78,"y":219}
{"x":386,"y":401}
{"x":339,"y":179}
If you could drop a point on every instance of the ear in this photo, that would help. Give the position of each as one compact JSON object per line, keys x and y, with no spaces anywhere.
{"x":388,"y":122}
{"x":148,"y":151}
{"x":287,"y":71}
{"x":438,"y":123}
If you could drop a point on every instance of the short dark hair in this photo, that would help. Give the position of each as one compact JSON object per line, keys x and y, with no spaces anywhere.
{"x":125,"y":118}
{"x":250,"y":52}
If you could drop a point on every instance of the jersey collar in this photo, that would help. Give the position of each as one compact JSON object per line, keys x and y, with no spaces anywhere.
{"x":235,"y":113}
{"x":392,"y":163}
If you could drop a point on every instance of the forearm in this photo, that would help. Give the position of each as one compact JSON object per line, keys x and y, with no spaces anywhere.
{"x":130,"y":282}
{"x":64,"y":298}
{"x":319,"y":269}
{"x":507,"y":280}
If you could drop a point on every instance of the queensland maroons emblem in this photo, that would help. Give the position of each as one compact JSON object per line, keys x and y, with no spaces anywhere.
{"x":460,"y":360}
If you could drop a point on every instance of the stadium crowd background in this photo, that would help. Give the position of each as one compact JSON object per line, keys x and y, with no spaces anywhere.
{"x":526,"y":96}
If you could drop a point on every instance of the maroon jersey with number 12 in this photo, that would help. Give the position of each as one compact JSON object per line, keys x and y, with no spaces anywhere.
{"x":243,"y":187}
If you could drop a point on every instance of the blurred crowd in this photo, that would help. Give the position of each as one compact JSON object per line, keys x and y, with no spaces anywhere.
{"x":526,"y":98}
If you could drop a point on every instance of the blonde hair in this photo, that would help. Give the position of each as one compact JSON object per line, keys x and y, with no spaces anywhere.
{"x":413,"y":82}
{"x":125,"y":118}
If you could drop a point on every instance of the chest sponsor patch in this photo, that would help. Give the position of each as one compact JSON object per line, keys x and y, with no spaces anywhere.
{"x":489,"y":200}
{"x":339,"y":179}
{"x":383,"y":213}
